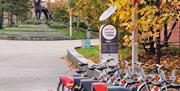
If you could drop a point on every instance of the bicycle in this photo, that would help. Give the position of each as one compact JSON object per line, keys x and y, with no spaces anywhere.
{"x":161,"y":85}
{"x":75,"y":82}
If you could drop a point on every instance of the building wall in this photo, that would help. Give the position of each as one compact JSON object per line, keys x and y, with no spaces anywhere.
{"x":174,"y":39}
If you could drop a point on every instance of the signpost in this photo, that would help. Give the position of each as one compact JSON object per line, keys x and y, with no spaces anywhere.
{"x":109,"y":43}
{"x":109,"y":50}
{"x":108,"y":37}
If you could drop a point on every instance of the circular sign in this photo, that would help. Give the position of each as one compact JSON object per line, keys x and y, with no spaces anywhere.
{"x":109,"y":32}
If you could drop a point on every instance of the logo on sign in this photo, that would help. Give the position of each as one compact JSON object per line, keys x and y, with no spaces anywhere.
{"x":109,"y":32}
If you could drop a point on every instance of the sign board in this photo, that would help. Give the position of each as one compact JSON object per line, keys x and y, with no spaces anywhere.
{"x":86,"y":43}
{"x":109,"y":42}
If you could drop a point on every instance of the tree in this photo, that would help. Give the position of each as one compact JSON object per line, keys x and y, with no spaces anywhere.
{"x":1,"y":13}
{"x":152,"y":16}
{"x":90,"y":11}
{"x":16,"y":8}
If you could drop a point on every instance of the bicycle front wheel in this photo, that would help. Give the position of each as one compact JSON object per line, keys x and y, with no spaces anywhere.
{"x":62,"y":87}
{"x":59,"y":88}
{"x":145,"y":87}
{"x":171,"y":88}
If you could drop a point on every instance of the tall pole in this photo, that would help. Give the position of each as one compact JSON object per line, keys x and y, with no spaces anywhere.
{"x":134,"y":43}
{"x":70,"y":27}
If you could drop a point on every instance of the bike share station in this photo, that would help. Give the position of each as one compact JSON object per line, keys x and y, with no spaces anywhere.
{"x":112,"y":80}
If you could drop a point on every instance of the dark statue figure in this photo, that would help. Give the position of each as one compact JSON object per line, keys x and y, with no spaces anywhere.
{"x":39,"y":9}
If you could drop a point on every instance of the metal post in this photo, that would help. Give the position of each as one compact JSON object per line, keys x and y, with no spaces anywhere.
{"x":134,"y":45}
{"x":70,"y":27}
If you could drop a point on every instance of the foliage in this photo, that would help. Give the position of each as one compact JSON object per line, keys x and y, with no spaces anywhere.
{"x":30,"y":21}
{"x":90,"y":11}
{"x":152,"y":14}
{"x":61,"y":15}
{"x":17,"y":8}
{"x":56,"y":24}
{"x":148,"y":17}
{"x":76,"y":34}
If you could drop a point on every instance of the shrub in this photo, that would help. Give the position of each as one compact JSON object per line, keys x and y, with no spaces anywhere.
{"x":55,"y":24}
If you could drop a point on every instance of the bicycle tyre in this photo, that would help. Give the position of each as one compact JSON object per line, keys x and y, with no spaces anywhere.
{"x":144,"y":88}
{"x":62,"y":87}
{"x":59,"y":88}
{"x":171,"y":88}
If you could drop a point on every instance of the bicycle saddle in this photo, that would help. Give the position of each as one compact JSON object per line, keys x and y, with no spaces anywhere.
{"x":101,"y":68}
{"x":112,"y":71}
{"x":175,"y":85}
{"x":178,"y":68}
{"x":86,"y":84}
{"x":78,"y":79}
{"x":157,"y":84}
{"x":118,"y":88}
{"x":80,"y":71}
{"x":92,"y":68}
{"x":83,"y":64}
{"x":132,"y":81}
{"x":112,"y":67}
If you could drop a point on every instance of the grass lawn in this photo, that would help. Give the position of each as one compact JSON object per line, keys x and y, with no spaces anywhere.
{"x":93,"y":52}
{"x":22,"y":30}
{"x":4,"y":34}
{"x":76,"y":34}
{"x":24,"y":26}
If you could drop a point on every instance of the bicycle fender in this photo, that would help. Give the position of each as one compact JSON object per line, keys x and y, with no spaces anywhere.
{"x":100,"y":86}
{"x":68,"y":81}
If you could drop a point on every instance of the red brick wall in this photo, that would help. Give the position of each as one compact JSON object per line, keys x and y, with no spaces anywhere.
{"x":175,"y":37}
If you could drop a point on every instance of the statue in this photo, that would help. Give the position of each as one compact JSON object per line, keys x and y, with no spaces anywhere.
{"x":39,"y":9}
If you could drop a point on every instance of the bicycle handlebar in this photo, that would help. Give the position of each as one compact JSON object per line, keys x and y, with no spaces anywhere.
{"x":138,"y":63}
{"x":158,"y":67}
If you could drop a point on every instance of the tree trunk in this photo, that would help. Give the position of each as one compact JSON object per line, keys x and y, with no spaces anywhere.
{"x":158,"y":48}
{"x":165,"y":35}
{"x":77,"y":24}
{"x":11,"y":19}
{"x":1,"y":18}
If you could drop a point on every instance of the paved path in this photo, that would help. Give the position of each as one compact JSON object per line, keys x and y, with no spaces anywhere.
{"x":33,"y":65}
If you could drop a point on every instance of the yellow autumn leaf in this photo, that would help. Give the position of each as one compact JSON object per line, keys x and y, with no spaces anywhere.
{"x":147,"y":46}
{"x":114,"y":18}
{"x":150,"y":34}
{"x":156,"y":34}
{"x":126,"y":36}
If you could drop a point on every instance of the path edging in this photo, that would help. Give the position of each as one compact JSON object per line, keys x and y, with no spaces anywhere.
{"x":77,"y":58}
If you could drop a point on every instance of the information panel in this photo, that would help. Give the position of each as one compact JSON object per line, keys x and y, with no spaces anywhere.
{"x":109,"y":42}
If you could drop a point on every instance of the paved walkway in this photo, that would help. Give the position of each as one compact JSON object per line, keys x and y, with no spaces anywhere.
{"x":33,"y":65}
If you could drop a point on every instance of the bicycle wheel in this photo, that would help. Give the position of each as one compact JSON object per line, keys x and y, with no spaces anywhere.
{"x":64,"y":88}
{"x":59,"y":88}
{"x":132,"y":85}
{"x":146,"y":87}
{"x":171,"y":88}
